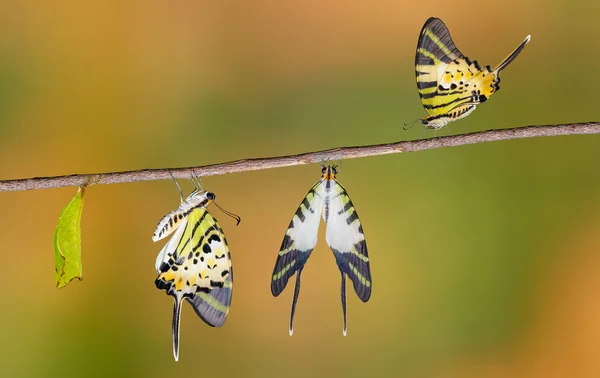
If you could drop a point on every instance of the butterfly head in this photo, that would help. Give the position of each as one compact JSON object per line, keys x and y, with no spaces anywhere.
{"x":198,"y":198}
{"x":429,"y":122}
{"x":329,"y":172}
{"x":434,"y":123}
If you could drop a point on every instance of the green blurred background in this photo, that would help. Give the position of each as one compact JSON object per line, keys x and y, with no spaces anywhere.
{"x":484,"y":258}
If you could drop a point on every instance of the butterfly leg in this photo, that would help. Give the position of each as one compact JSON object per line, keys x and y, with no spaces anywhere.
{"x":177,"y":184}
{"x":197,"y":182}
{"x":176,"y":319}
{"x":296,"y":293}
{"x":343,"y":294}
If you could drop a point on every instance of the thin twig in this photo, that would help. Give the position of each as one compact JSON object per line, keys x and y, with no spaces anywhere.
{"x":304,"y":158}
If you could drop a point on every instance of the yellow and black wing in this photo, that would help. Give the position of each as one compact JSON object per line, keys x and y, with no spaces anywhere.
{"x":446,"y":79}
{"x":196,"y":265}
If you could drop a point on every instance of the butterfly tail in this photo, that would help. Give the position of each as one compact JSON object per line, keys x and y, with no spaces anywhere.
{"x":294,"y":301}
{"x":176,"y":318}
{"x":513,"y":55}
{"x":343,"y":295}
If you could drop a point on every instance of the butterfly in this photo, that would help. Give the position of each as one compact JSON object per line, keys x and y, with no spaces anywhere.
{"x":195,"y":264}
{"x":450,"y":84}
{"x":344,"y":236}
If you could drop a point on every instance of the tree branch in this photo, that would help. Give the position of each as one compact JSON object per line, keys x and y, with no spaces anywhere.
{"x":305,"y":158}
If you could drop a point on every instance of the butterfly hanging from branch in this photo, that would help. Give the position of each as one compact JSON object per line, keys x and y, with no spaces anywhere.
{"x":344,"y":235}
{"x":195,"y":264}
{"x":450,"y":84}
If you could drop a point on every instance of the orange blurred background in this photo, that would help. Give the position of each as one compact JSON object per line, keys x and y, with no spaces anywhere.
{"x":484,"y":258}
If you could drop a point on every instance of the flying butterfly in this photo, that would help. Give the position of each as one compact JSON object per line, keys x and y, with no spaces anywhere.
{"x":450,"y":84}
{"x":195,"y":264}
{"x":344,"y":235}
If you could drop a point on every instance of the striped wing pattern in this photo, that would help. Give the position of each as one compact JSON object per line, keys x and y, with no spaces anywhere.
{"x":196,"y":265}
{"x":344,"y":236}
{"x":299,"y":241}
{"x":346,"y":239}
{"x":449,"y":83}
{"x":169,"y":223}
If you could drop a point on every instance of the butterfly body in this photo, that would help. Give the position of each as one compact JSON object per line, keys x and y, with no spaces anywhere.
{"x":195,"y":264}
{"x":327,"y":199}
{"x":450,"y":84}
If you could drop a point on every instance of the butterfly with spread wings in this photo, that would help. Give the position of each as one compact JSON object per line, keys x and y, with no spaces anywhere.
{"x":195,"y":264}
{"x":450,"y":84}
{"x":344,"y":236}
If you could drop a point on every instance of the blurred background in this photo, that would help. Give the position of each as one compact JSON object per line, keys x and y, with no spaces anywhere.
{"x":484,"y":258}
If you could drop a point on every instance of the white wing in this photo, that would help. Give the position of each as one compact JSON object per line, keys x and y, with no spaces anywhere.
{"x":170,"y":248}
{"x":346,"y":239}
{"x":299,"y":240}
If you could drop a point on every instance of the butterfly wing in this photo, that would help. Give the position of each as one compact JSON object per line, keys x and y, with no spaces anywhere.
{"x":195,"y":262}
{"x":169,"y":248}
{"x":213,"y":306}
{"x":169,"y":223}
{"x":448,"y":81}
{"x":299,"y":240}
{"x":443,"y":72}
{"x":346,"y":239}
{"x":196,"y":265}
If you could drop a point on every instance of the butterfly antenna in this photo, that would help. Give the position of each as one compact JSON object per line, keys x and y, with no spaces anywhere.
{"x":410,"y":124}
{"x":234,"y":216}
{"x":177,"y":184}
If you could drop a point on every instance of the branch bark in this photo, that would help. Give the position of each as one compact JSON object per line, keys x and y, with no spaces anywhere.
{"x":304,"y":158}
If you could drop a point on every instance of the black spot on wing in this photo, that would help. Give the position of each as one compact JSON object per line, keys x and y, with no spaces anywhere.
{"x":346,"y":207}
{"x":215,"y":238}
{"x":300,"y":214}
{"x":352,"y":217}
{"x":163,"y":285}
{"x":164,"y":267}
